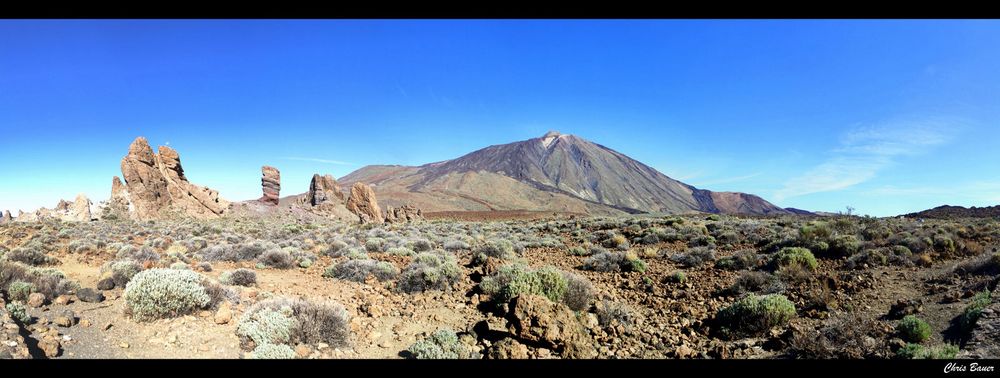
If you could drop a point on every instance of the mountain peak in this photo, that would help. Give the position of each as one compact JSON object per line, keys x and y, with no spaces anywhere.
{"x":551,"y":134}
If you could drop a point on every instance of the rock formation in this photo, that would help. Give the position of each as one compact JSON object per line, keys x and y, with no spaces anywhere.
{"x":323,"y":189}
{"x":156,"y":183}
{"x":537,"y":320}
{"x":363,"y":204}
{"x":405,"y":213}
{"x":271,"y":184}
{"x":119,"y":205}
{"x":6,"y":216}
{"x":80,"y":209}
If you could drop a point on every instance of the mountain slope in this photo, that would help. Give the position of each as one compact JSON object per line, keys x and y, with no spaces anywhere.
{"x":554,"y":172}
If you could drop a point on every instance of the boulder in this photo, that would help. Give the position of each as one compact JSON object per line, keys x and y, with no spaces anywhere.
{"x":507,"y":349}
{"x":323,"y":189}
{"x":537,"y":320}
{"x":36,"y":300}
{"x":156,"y":182}
{"x":89,"y":295}
{"x":362,"y":203}
{"x":405,"y":213}
{"x":271,"y":184}
{"x":80,"y":209}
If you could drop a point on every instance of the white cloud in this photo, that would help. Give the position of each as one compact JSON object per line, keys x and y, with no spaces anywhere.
{"x":317,"y":160}
{"x":865,"y":151}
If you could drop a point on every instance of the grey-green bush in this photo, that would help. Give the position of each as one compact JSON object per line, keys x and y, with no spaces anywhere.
{"x":442,"y":344}
{"x":753,"y":315}
{"x":165,"y":293}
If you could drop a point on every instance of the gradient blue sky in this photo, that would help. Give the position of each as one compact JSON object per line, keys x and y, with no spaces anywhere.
{"x":885,"y":116}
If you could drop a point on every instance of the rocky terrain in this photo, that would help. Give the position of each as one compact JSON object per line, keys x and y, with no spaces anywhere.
{"x":291,"y":285}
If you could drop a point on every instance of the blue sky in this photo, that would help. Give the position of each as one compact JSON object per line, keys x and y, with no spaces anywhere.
{"x":885,"y":116}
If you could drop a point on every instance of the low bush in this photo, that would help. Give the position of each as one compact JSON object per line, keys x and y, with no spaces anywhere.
{"x":272,"y":352}
{"x":794,"y":256}
{"x":917,"y":351}
{"x":753,"y":315}
{"x":913,"y":329}
{"x":165,"y":293}
{"x":973,"y":311}
{"x":513,"y":280}
{"x":442,"y":344}
{"x":239,"y":277}
{"x":18,"y":312}
{"x":294,"y":321}
{"x":430,"y":270}
{"x":277,"y":258}
{"x":20,"y":290}
{"x":694,"y":257}
{"x":359,"y":270}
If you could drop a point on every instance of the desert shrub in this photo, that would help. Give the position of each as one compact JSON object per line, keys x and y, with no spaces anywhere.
{"x":18,"y":312}
{"x":579,"y":292}
{"x":728,"y":238}
{"x":938,"y":352}
{"x":578,"y":251}
{"x":272,"y":352}
{"x":421,"y":245}
{"x":333,"y":250}
{"x":512,"y":280}
{"x":239,"y":277}
{"x":20,"y":290}
{"x":986,"y":264}
{"x":179,"y":265}
{"x":359,"y":270}
{"x":122,"y":271}
{"x":47,"y":281}
{"x":973,"y":311}
{"x":80,"y":246}
{"x":30,"y":256}
{"x":277,"y":258}
{"x":429,"y":270}
{"x":745,"y":259}
{"x":501,"y":249}
{"x":294,"y":321}
{"x":611,"y":313}
{"x":456,"y":245}
{"x":140,"y":255}
{"x":702,"y":241}
{"x":944,"y":244}
{"x":913,"y":329}
{"x":267,"y":325}
{"x":871,"y":257}
{"x":752,"y":315}
{"x":694,"y":257}
{"x":400,"y":251}
{"x":374,"y":244}
{"x":844,"y":245}
{"x":847,"y":336}
{"x":605,"y":261}
{"x":794,"y":256}
{"x":677,"y":277}
{"x":164,"y":293}
{"x":442,"y":344}
{"x":204,"y":267}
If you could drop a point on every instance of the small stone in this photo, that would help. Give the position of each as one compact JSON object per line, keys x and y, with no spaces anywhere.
{"x":224,"y":315}
{"x":36,"y":300}
{"x":65,"y":319}
{"x":303,"y":350}
{"x":90,"y":295}
{"x":322,"y":346}
{"x":85,"y":323}
{"x":106,"y":283}
{"x":63,"y":300}
{"x":51,"y":348}
{"x":108,"y":326}
{"x":205,"y":314}
{"x":123,"y":345}
{"x":67,"y":338}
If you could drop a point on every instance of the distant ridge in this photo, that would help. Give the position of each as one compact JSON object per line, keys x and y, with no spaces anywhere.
{"x":951,"y":212}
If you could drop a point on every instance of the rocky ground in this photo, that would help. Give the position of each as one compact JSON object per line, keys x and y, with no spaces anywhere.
{"x":629,"y":313}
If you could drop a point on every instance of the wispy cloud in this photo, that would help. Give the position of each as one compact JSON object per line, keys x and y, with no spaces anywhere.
{"x":864,"y":151}
{"x":317,"y":160}
{"x":729,"y":179}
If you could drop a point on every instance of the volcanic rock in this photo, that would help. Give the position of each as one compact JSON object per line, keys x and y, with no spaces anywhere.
{"x":6,"y":216}
{"x":80,"y":209}
{"x":323,"y":189}
{"x":363,"y":204}
{"x":271,"y":184}
{"x":405,"y":213}
{"x":535,"y":319}
{"x":156,"y":183}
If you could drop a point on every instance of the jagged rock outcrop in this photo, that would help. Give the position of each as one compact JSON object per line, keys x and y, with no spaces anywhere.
{"x":76,"y":211}
{"x":156,"y":183}
{"x":362,"y":203}
{"x":119,"y":206}
{"x":271,"y":184}
{"x":405,"y":213}
{"x":323,"y":189}
{"x":6,"y":217}
{"x":537,"y":320}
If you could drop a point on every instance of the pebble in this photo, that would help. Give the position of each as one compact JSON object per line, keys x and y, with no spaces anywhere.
{"x":123,"y":345}
{"x":85,"y":323}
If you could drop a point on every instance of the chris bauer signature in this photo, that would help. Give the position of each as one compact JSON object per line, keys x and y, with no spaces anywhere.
{"x":951,"y":366}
